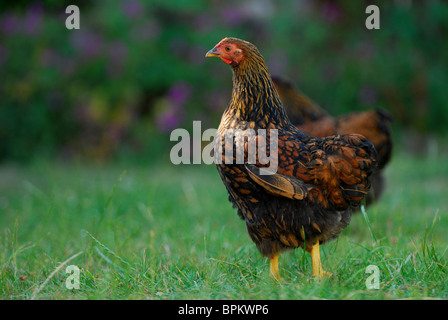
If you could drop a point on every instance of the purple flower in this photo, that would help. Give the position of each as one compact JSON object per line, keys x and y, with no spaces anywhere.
{"x":331,"y":12}
{"x":179,"y":93}
{"x":30,"y":24}
{"x":133,"y":9}
{"x":170,"y":117}
{"x":172,"y":107}
{"x":9,"y":24}
{"x":34,"y":19}
{"x":86,"y":42}
{"x":166,"y":122}
{"x":231,"y":17}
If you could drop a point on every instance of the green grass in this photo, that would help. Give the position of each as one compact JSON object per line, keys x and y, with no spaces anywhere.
{"x":168,"y":232}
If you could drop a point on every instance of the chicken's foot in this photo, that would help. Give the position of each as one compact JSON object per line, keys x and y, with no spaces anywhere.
{"x":273,"y":267}
{"x":318,"y":272}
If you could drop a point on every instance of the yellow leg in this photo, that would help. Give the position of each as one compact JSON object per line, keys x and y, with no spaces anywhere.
{"x":318,"y":272}
{"x":273,"y":267}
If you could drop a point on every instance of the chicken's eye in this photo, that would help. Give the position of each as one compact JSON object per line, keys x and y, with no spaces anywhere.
{"x":228,"y":49}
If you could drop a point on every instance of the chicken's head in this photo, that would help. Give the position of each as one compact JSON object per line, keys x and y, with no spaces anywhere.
{"x":231,"y":50}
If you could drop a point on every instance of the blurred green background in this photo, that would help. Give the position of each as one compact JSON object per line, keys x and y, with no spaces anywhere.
{"x":85,"y":123}
{"x":136,"y":69}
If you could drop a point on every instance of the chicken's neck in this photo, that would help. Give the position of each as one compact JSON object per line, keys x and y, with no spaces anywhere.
{"x":254,"y":97}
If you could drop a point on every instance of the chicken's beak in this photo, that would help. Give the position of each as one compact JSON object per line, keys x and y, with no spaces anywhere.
{"x":212,"y":53}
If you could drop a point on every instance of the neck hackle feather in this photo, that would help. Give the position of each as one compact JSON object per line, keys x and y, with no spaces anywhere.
{"x":254,"y":97}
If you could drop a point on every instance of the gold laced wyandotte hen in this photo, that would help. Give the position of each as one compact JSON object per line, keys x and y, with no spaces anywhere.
{"x":309,"y":198}
{"x":313,"y":120}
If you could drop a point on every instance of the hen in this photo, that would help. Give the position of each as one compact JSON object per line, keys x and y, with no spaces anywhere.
{"x":311,"y":119}
{"x":308,"y":199}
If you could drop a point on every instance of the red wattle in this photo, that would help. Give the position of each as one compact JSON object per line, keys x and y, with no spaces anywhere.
{"x":226,"y":60}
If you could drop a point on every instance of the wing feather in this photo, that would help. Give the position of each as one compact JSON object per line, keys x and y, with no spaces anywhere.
{"x":278,"y":184}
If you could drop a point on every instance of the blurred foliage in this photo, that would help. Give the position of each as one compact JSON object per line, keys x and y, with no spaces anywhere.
{"x":136,"y":70}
